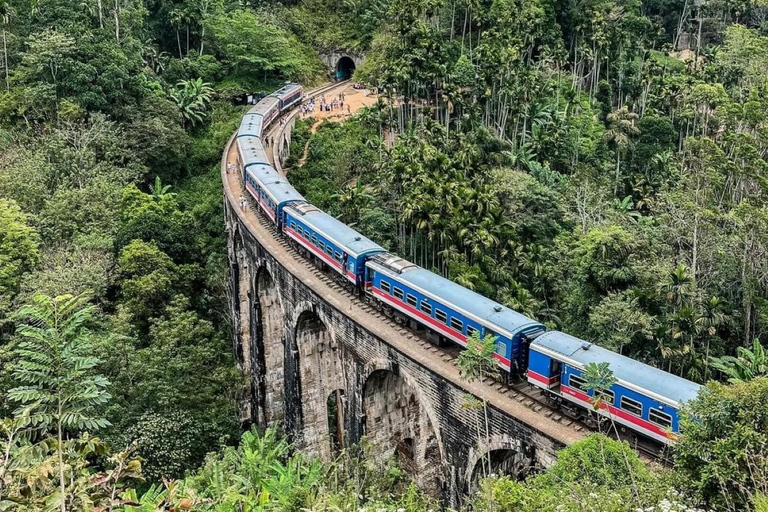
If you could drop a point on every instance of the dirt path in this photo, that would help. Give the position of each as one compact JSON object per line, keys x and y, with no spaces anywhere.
{"x":354,"y":100}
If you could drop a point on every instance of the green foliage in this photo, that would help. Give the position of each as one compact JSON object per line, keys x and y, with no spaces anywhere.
{"x":156,"y":219}
{"x":18,"y":251}
{"x":55,"y":364}
{"x":746,"y":365}
{"x":477,"y":360}
{"x":169,"y":443}
{"x":28,"y":482}
{"x":252,"y":45}
{"x":721,"y":453}
{"x":148,"y":279}
{"x":596,"y":473}
{"x":191,"y":97}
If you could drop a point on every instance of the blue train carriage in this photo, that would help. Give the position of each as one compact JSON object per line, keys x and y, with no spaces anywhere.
{"x":251,"y":126}
{"x":288,"y":96}
{"x":260,"y":115}
{"x":271,"y":190}
{"x":333,"y":242}
{"x":644,"y":399}
{"x":450,"y":310}
{"x":250,"y":152}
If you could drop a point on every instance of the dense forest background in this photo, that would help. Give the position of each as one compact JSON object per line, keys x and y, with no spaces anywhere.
{"x":598,"y":165}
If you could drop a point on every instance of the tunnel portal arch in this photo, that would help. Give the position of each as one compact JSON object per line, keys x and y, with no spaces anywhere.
{"x":345,"y":67}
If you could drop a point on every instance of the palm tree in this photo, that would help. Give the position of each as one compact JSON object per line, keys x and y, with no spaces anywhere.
{"x":176,"y":17}
{"x":620,"y":132}
{"x":746,"y":365}
{"x":678,"y":286}
{"x":6,"y":13}
{"x":192,"y":98}
{"x":710,"y":318}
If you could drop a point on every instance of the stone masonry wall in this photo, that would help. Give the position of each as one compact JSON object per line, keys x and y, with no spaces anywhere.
{"x":299,"y":350}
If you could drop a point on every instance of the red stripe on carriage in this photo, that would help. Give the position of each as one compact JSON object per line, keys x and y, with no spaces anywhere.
{"x":263,"y":205}
{"x":293,"y":234}
{"x":460,"y":338}
{"x":541,"y":378}
{"x":639,"y":422}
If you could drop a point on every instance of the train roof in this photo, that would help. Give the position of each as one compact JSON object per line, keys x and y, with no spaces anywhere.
{"x":251,"y":125}
{"x":285,"y":90}
{"x":275,"y":184}
{"x":263,"y":106}
{"x":484,"y":310}
{"x":644,"y":378}
{"x":252,"y":151}
{"x":353,"y":242}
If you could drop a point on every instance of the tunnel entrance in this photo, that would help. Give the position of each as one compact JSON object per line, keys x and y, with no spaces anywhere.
{"x":345,"y":68}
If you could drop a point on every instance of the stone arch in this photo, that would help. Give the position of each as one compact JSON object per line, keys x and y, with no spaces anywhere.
{"x":269,"y":317}
{"x":500,"y":456}
{"x":398,"y":424}
{"x":321,"y":372}
{"x":345,"y":67}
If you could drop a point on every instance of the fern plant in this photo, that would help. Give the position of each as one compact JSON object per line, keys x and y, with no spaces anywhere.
{"x":59,"y":390}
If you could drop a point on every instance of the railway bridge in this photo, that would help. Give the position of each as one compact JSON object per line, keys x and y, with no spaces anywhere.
{"x":331,"y":371}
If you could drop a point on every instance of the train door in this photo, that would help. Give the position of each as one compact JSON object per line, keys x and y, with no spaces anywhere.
{"x":555,"y":372}
{"x":523,"y":347}
{"x":345,"y":266}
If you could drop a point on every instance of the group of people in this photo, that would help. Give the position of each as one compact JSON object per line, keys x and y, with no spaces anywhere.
{"x":337,"y":103}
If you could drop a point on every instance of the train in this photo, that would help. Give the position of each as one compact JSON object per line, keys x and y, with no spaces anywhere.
{"x":643,"y":400}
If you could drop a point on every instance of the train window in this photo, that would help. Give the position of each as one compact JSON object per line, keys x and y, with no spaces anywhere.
{"x":293,"y":225}
{"x":501,"y":348}
{"x":398,"y":293}
{"x":314,"y":239}
{"x":426,"y":308}
{"x":384,"y":286}
{"x":456,"y":323}
{"x":471,"y":330}
{"x":661,"y":419}
{"x":631,"y":406}
{"x":606,"y":396}
{"x":440,"y":315}
{"x":329,"y":250}
{"x":577,"y":382}
{"x":321,"y":245}
{"x":411,"y":300}
{"x":306,"y":233}
{"x":338,"y":257}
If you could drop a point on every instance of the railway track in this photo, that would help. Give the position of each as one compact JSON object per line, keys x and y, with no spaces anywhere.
{"x":516,"y":388}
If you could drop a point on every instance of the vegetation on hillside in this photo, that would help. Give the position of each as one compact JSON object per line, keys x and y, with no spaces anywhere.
{"x":564,"y":158}
{"x":570,"y":163}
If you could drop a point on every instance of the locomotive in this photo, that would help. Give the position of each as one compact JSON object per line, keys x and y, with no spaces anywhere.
{"x":644,"y":399}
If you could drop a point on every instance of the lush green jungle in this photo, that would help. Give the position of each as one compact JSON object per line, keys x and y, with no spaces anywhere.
{"x":599,"y":165}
